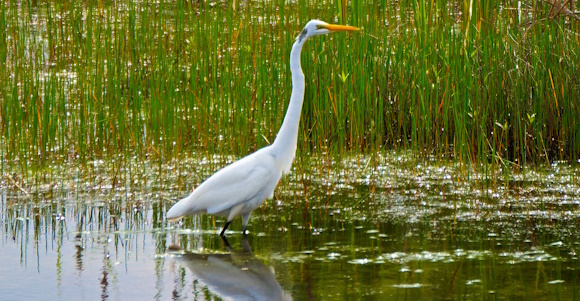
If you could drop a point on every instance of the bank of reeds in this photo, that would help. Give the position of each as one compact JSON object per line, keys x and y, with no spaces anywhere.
{"x":492,"y":82}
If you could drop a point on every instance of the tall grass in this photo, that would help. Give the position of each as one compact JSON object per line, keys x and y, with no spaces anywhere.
{"x":480,"y":81}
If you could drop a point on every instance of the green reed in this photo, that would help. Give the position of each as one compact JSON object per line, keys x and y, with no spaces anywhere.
{"x":480,"y":81}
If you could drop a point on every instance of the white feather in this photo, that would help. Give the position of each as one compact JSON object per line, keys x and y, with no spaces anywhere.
{"x":250,"y":180}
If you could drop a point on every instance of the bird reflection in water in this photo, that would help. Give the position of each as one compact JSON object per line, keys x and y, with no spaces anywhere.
{"x":237,"y":275}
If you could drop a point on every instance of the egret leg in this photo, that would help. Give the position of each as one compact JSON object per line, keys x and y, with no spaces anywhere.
{"x":226,"y":242}
{"x":245,"y":219}
{"x":223,"y":233}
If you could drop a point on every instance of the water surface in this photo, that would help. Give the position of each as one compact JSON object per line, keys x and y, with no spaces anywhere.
{"x":372,"y":228}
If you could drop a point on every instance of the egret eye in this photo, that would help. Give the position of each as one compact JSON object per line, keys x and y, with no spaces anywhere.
{"x":319,"y":27}
{"x":302,"y":34}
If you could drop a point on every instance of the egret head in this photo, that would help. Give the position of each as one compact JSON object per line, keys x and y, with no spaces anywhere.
{"x":317,"y":27}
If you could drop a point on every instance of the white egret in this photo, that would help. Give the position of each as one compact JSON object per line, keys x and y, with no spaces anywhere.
{"x":239,"y":188}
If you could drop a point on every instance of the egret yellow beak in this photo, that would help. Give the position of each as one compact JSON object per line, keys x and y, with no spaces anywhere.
{"x":336,"y":27}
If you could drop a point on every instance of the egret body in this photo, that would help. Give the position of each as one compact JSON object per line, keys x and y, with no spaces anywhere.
{"x":239,"y":188}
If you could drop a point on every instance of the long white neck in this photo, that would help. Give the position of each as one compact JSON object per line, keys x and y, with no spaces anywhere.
{"x":284,"y":147}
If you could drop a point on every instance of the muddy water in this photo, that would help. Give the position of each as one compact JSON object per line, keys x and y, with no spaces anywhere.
{"x":381,"y":228}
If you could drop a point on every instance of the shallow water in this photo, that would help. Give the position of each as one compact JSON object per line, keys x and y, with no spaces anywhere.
{"x":361,"y":228}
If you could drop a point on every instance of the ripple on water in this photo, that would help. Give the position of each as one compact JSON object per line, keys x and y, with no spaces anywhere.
{"x":445,"y":257}
{"x":409,"y":285}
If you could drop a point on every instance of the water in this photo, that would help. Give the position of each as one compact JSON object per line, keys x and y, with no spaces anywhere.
{"x":372,"y":228}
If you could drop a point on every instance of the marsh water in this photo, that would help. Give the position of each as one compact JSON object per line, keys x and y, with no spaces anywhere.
{"x":364,"y":228}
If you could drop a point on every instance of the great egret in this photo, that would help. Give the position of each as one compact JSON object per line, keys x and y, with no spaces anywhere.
{"x":244,"y":185}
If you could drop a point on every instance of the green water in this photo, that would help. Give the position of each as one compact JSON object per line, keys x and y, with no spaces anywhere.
{"x":396,"y":229}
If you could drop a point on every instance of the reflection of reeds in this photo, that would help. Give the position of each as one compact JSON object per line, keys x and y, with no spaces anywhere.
{"x":87,"y":80}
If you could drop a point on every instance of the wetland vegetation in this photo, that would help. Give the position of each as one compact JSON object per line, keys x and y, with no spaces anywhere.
{"x":437,"y":158}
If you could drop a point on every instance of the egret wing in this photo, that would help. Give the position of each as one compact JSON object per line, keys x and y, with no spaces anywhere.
{"x":244,"y":180}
